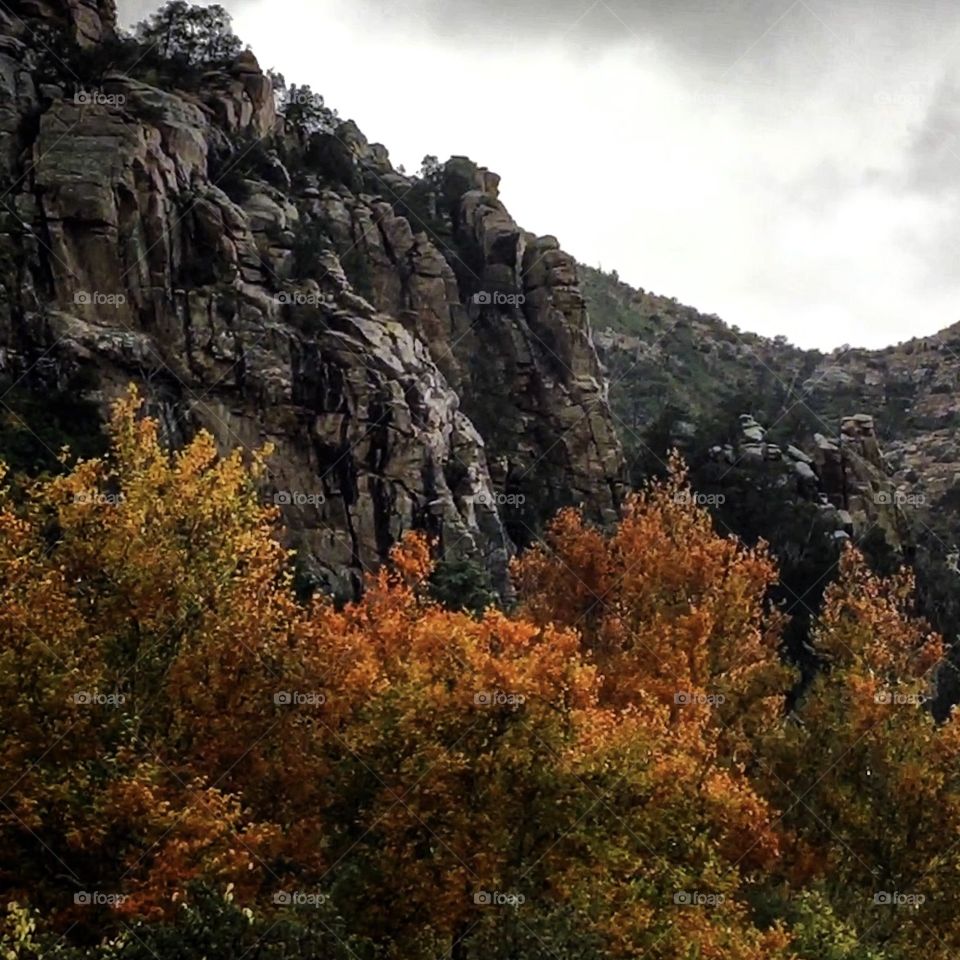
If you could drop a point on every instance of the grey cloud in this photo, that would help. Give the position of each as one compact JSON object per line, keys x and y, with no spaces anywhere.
{"x":932,"y":170}
{"x":746,"y":41}
{"x":719,"y":33}
{"x":130,"y":12}
{"x":934,"y":156}
{"x":704,"y":24}
{"x":133,"y":11}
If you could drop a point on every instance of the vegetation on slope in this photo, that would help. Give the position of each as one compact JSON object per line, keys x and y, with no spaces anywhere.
{"x":196,"y":763}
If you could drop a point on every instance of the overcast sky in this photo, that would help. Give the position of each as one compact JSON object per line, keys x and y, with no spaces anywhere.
{"x":792,"y":165}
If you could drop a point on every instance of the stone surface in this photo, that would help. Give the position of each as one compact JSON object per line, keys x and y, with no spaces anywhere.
{"x":401,"y":402}
{"x":850,"y":477}
{"x":88,"y":21}
{"x":904,"y":398}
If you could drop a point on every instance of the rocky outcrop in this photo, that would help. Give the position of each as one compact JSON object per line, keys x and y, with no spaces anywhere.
{"x":395,"y":394}
{"x":503,"y":314}
{"x":662,"y":354}
{"x":855,"y":478}
{"x":86,"y":22}
{"x":848,"y":477}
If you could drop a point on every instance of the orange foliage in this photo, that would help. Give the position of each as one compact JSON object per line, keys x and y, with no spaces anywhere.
{"x":669,"y":611}
{"x":173,"y":715}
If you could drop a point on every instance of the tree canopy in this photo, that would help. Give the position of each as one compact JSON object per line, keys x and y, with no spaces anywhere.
{"x":192,"y":34}
{"x":196,"y":763}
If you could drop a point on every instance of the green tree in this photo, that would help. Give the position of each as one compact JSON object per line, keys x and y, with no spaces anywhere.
{"x":194,"y":36}
{"x":306,"y":111}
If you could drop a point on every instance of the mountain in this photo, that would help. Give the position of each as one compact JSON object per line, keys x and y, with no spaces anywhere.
{"x":660,"y":353}
{"x":628,"y":735}
{"x":798,"y":447}
{"x":175,"y":217}
{"x":261,"y":271}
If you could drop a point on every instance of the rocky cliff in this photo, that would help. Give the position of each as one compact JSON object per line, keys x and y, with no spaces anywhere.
{"x":416,"y":358}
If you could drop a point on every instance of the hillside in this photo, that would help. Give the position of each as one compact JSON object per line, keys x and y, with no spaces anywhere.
{"x":661,"y":354}
{"x":377,"y":583}
{"x":415,"y":358}
{"x":224,"y":240}
{"x":797,"y":447}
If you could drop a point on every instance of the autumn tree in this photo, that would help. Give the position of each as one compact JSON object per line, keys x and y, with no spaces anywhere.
{"x":440,"y":782}
{"x":113,"y":577}
{"x":868,"y":782}
{"x":476,"y":760}
{"x":670,"y":611}
{"x":607,"y":770}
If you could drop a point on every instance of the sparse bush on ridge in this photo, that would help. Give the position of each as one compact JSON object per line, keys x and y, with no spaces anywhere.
{"x":190,"y":36}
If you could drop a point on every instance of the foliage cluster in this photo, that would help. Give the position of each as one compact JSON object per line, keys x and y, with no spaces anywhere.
{"x":195,"y":762}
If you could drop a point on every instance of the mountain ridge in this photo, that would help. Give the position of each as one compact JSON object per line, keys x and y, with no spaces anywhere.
{"x":263,"y":272}
{"x":416,"y":358}
{"x":909,"y":387}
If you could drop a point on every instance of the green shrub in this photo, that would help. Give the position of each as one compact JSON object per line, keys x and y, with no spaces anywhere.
{"x":461,"y":584}
{"x":36,"y":426}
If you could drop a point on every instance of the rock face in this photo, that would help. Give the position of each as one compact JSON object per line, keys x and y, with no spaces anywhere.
{"x":856,"y":479}
{"x":506,"y":323}
{"x":662,"y":354}
{"x":87,"y":22}
{"x":848,"y":477}
{"x":406,"y":379}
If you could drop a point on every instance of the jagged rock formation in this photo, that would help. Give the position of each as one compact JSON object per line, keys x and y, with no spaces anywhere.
{"x":661,"y":353}
{"x":87,"y":22}
{"x":505,"y":320}
{"x":847,"y":477}
{"x":450,"y":385}
{"x":856,"y":479}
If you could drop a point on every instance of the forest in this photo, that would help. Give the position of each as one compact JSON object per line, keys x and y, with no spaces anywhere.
{"x":196,"y":761}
